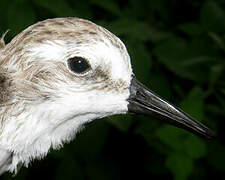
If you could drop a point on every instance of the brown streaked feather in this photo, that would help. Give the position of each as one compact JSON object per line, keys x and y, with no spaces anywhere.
{"x":2,"y":42}
{"x":5,"y":86}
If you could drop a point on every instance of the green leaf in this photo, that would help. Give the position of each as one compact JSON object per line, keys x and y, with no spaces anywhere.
{"x":123,"y":123}
{"x":4,"y":8}
{"x":216,"y":71}
{"x":109,"y":6}
{"x":180,"y":165}
{"x":82,"y":9}
{"x":183,"y":59}
{"x":223,"y":91}
{"x":102,"y":169}
{"x":216,"y":157}
{"x":212,"y":17}
{"x":141,"y":60}
{"x":172,"y":137}
{"x":221,"y":99}
{"x":159,"y":83}
{"x":19,"y":16}
{"x":93,"y":136}
{"x":146,"y":127}
{"x":191,"y":29}
{"x":219,"y":41}
{"x":57,"y":7}
{"x":193,"y":103}
{"x":137,"y":30}
{"x":69,"y":168}
{"x":215,"y":110}
{"x":195,"y":147}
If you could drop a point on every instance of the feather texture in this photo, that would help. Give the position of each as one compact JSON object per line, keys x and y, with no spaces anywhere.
{"x":5,"y":160}
{"x":43,"y":104}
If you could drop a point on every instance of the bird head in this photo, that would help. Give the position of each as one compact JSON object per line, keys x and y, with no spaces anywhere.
{"x":62,"y":73}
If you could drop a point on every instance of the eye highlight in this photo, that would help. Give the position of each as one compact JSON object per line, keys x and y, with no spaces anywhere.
{"x":78,"y":65}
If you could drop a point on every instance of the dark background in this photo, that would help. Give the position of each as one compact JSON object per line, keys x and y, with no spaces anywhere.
{"x":177,"y":49}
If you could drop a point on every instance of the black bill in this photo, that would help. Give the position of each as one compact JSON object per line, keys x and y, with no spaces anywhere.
{"x":144,"y":101}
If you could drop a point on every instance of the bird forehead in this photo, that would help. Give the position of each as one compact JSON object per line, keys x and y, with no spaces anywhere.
{"x":70,"y":29}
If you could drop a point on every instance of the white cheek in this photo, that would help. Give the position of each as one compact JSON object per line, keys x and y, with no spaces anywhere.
{"x":94,"y":102}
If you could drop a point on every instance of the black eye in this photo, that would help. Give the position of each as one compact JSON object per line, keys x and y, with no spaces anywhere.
{"x":78,"y":64}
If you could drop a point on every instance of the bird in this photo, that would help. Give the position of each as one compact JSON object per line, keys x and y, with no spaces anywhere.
{"x":61,"y":73}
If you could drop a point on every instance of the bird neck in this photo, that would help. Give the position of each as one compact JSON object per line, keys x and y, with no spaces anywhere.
{"x":32,"y":132}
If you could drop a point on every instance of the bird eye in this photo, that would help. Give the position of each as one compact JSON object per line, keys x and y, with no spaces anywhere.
{"x":78,"y":65}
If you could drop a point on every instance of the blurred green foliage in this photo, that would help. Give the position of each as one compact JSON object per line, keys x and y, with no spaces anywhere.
{"x":178,"y":50}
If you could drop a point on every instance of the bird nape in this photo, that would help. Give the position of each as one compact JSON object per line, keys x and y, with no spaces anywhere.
{"x":75,"y":69}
